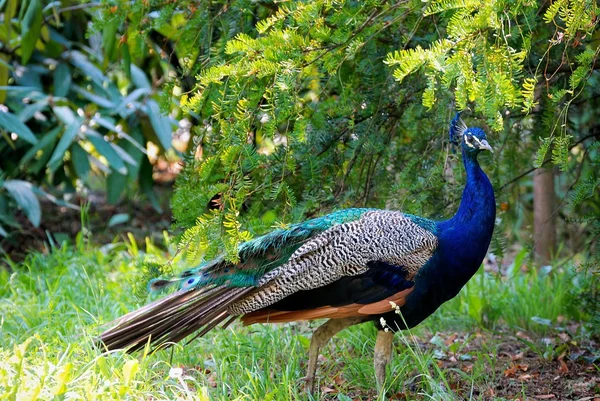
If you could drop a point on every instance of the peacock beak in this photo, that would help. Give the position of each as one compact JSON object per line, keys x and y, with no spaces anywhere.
{"x":485,"y":145}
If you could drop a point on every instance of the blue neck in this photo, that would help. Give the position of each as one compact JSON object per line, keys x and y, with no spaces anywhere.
{"x":465,"y":238}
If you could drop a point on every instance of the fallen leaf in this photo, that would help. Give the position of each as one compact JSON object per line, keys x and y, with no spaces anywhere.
{"x":339,"y":380}
{"x":545,"y":396}
{"x":564,"y":336}
{"x":450,"y":339}
{"x":467,"y":368}
{"x":563,"y":367}
{"x":516,"y":357}
{"x":327,"y":390}
{"x":510,"y":371}
{"x":525,"y":377}
{"x":514,"y":368}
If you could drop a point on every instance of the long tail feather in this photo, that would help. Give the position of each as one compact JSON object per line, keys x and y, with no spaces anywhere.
{"x":172,"y":318}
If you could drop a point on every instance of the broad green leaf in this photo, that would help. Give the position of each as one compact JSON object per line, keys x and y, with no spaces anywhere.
{"x":64,"y":114}
{"x":117,"y":219}
{"x":126,"y":58}
{"x":60,"y":202}
{"x":138,"y":77}
{"x":106,"y":122}
{"x":115,"y":185}
{"x":65,"y":142}
{"x":9,"y":12}
{"x":123,"y":107}
{"x":62,"y":378}
{"x":3,"y":232}
{"x":126,"y":157}
{"x":130,"y":144}
{"x":30,"y":29}
{"x":18,"y":88}
{"x":23,"y":194}
{"x":104,"y":148}
{"x":11,"y":123}
{"x":109,"y":36}
{"x":45,"y":145}
{"x":62,"y":80}
{"x":81,"y":163}
{"x":130,"y":369}
{"x":29,"y":111}
{"x":147,"y":183}
{"x":3,"y":76}
{"x":161,"y":125}
{"x":80,"y":61}
{"x":92,"y":97}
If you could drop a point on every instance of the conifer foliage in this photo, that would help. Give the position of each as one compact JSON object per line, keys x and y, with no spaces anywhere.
{"x":302,"y":107}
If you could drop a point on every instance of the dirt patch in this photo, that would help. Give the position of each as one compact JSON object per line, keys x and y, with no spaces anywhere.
{"x":498,"y":366}
{"x":62,"y":223}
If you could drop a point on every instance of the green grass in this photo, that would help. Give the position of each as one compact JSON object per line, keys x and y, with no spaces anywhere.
{"x":51,"y":308}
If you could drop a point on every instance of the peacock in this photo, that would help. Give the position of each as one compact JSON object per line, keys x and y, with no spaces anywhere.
{"x":351,"y":266}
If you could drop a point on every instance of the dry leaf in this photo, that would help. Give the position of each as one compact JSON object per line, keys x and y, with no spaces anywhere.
{"x":563,"y":367}
{"x":513,"y":368}
{"x":525,"y":377}
{"x":516,"y":357}
{"x":467,"y":368}
{"x":523,"y":335}
{"x":450,"y":339}
{"x":339,"y":380}
{"x":327,"y":390}
{"x":510,"y":371}
{"x":545,"y":396}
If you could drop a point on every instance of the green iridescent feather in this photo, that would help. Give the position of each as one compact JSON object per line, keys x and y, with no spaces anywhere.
{"x":258,"y":256}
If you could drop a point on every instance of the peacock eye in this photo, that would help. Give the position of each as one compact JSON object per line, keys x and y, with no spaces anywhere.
{"x":469,"y":139}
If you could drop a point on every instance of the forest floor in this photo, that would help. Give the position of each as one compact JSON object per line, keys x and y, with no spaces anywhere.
{"x":519,"y":334}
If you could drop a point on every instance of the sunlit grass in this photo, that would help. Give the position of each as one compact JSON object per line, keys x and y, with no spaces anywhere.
{"x":52,"y":306}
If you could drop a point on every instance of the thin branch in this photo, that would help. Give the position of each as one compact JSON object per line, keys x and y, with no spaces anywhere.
{"x":72,"y":8}
{"x":531,"y":170}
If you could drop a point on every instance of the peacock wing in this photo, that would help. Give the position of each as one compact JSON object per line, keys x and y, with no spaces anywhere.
{"x":364,"y":294}
{"x":259,"y":256}
{"x":358,"y":248}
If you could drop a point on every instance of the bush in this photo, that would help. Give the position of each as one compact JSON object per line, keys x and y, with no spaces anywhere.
{"x":74,"y":104}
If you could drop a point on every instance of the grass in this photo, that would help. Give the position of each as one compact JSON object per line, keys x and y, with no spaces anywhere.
{"x":52,"y":305}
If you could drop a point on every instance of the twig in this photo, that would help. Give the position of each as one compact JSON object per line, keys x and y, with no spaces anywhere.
{"x":517,"y":178}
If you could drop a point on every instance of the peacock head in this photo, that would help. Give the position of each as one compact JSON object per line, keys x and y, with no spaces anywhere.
{"x":472,"y":139}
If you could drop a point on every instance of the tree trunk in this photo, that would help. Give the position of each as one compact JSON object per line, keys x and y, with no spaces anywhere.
{"x":544,"y":230}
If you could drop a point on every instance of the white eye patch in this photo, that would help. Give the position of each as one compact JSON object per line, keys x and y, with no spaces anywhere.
{"x":473,"y":139}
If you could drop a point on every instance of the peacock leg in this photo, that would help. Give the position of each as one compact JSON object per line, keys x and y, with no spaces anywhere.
{"x":383,"y":355}
{"x":319,"y":339}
